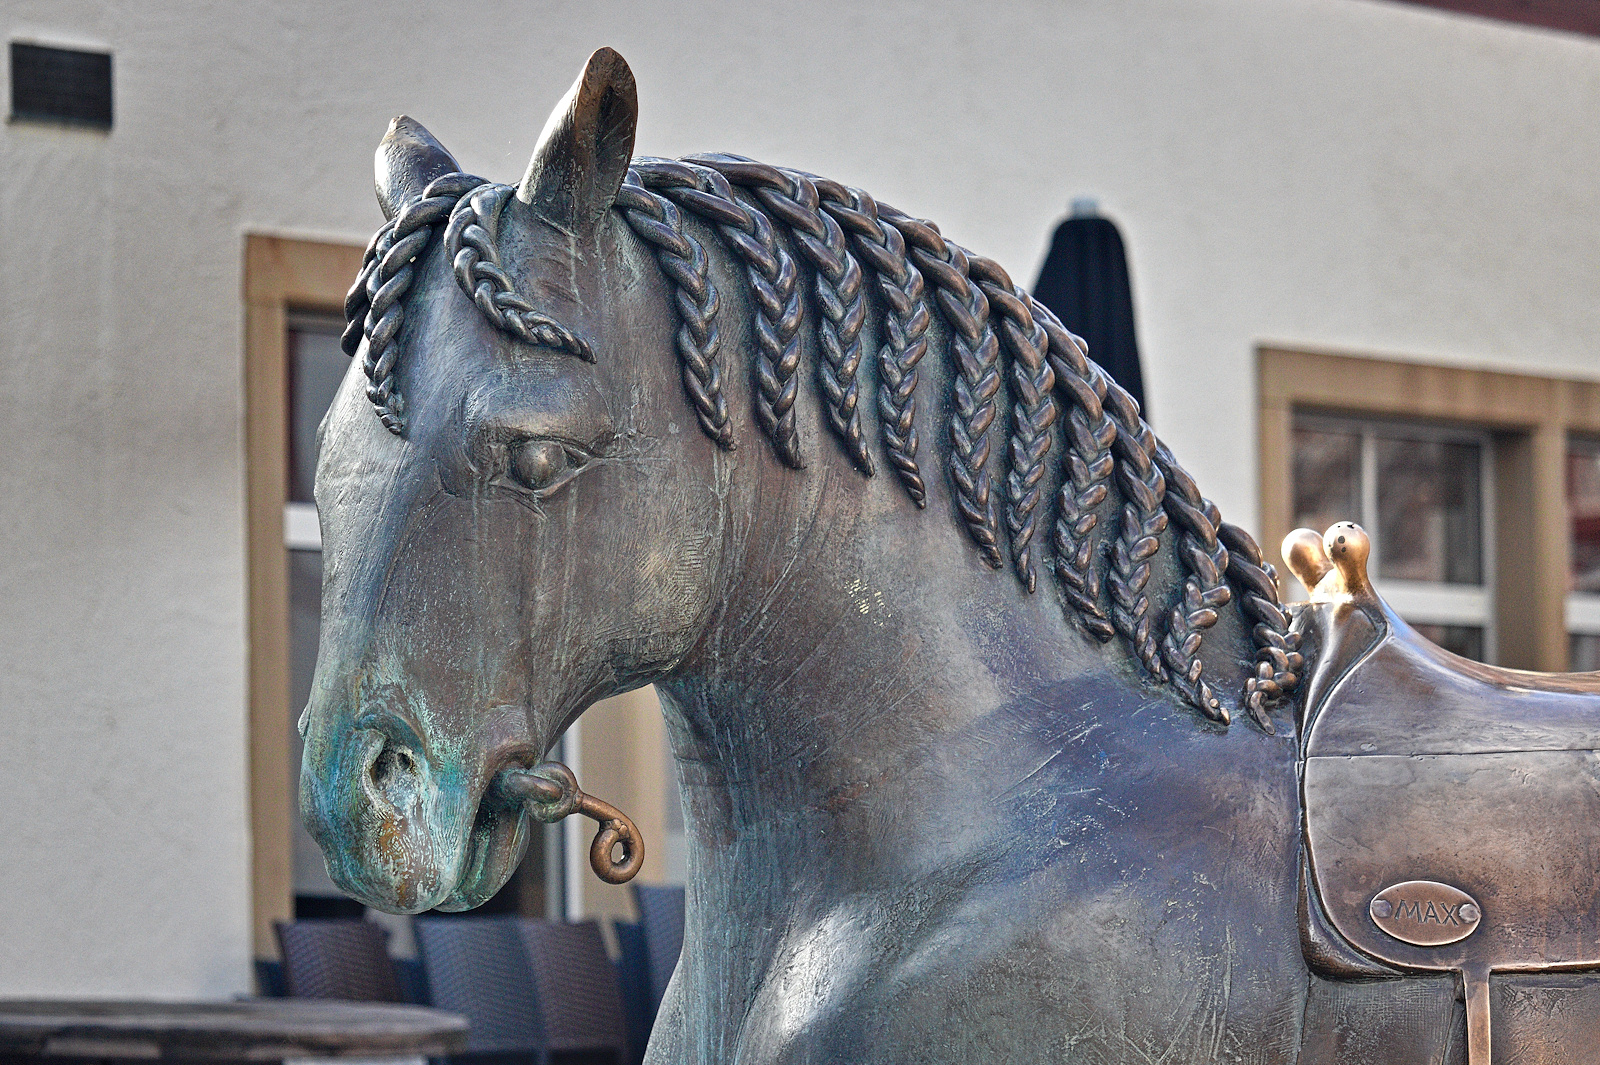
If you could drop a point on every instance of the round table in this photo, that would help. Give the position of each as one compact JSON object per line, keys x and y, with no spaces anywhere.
{"x":253,"y":1030}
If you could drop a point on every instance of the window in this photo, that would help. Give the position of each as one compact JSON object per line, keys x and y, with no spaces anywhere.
{"x":294,"y":292}
{"x":68,"y":86}
{"x":1583,"y":516}
{"x":316,"y":366}
{"x":1423,"y":493}
{"x":294,"y":295}
{"x":1481,"y":490}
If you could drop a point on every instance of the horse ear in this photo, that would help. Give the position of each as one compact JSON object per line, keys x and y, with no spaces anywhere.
{"x":407,"y":161}
{"x":586,"y":146}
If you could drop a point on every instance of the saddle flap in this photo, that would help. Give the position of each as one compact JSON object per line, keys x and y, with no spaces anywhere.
{"x":1450,"y":806}
{"x":1513,"y":831}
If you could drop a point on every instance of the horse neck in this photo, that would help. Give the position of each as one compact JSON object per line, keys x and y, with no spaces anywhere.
{"x":854,"y":627}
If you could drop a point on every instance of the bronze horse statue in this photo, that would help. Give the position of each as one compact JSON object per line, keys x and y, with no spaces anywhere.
{"x":990,"y":731}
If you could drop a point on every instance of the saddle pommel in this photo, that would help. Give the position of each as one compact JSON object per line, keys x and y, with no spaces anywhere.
{"x":1332,"y":565}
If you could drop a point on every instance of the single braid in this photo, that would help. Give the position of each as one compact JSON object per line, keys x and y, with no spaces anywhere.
{"x":977,"y":355}
{"x":1032,"y":383}
{"x":773,"y":285}
{"x":793,"y":200}
{"x":355,"y":301}
{"x":471,"y":242}
{"x":1205,"y":589}
{"x":1143,"y":522}
{"x":377,"y":300}
{"x":658,"y":222}
{"x":1090,"y":433}
{"x":1278,"y":658}
{"x":905,"y":324}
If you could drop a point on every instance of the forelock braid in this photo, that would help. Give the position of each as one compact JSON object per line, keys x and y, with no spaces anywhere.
{"x":1143,"y":522}
{"x":375,"y":305}
{"x":355,"y":301}
{"x":657,"y":221}
{"x":793,"y":200}
{"x":905,"y":324}
{"x":1278,"y":658}
{"x":1205,"y":589}
{"x":977,"y":355}
{"x":1090,"y":433}
{"x":1032,"y":382}
{"x":471,"y":241}
{"x":773,"y":285}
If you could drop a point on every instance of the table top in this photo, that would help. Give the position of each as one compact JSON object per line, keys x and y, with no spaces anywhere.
{"x":263,"y":1029}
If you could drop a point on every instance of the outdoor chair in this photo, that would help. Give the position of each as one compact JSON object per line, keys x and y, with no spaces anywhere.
{"x":343,"y":959}
{"x":478,"y":967}
{"x":661,"y":914}
{"x":575,"y":984}
{"x":633,"y":973}
{"x":269,"y":977}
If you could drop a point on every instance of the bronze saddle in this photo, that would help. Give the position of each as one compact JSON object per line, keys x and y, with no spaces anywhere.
{"x":1452,"y":809}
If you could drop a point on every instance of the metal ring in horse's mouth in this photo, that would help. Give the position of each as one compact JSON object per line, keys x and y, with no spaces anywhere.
{"x":549,"y":792}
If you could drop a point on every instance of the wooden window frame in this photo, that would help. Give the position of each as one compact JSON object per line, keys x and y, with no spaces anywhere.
{"x":282,"y":275}
{"x":1531,"y":419}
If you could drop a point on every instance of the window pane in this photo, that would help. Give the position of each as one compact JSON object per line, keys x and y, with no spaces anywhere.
{"x":305,"y":606}
{"x":1585,"y":653}
{"x":1583,"y":503}
{"x":1464,"y":640}
{"x":316,"y":366}
{"x":1327,"y":478}
{"x":1430,"y":521}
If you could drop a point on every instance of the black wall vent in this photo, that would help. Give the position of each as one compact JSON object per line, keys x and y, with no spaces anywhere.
{"x":60,"y":85}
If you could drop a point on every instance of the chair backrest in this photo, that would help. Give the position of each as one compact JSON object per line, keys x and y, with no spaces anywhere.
{"x":633,"y":972}
{"x":269,"y":975}
{"x":661,"y":913}
{"x":580,"y":1002}
{"x":477,"y":966}
{"x":342,"y":959}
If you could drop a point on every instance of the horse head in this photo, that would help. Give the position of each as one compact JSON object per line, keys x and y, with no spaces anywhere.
{"x":527,"y":454}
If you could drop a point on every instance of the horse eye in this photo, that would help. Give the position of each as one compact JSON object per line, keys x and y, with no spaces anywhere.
{"x":544,"y":464}
{"x":538,"y":463}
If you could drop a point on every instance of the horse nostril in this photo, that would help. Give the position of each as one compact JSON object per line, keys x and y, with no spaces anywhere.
{"x":391,"y":765}
{"x":395,"y":773}
{"x":394,"y":768}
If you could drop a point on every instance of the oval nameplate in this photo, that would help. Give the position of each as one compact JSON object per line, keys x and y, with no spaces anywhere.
{"x":1425,"y":913}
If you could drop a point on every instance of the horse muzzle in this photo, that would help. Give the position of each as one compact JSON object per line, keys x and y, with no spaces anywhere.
{"x":402,"y":834}
{"x":403,"y":837}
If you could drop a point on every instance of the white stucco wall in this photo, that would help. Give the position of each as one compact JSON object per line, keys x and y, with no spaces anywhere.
{"x":1338,"y":173}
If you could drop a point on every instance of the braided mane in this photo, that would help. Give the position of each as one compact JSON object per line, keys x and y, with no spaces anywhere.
{"x":1100,"y":550}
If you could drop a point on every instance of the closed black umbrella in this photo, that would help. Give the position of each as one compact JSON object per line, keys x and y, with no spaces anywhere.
{"x":1084,"y":280}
